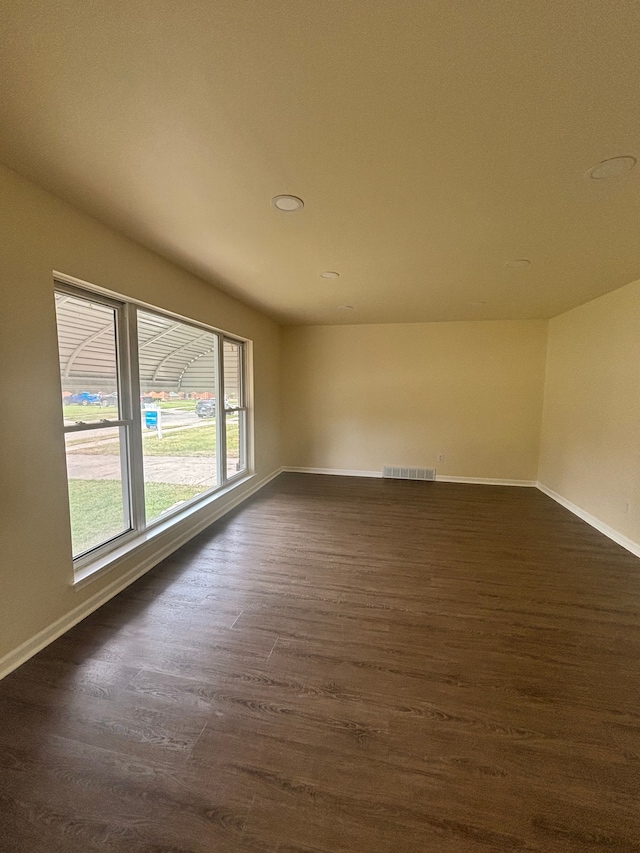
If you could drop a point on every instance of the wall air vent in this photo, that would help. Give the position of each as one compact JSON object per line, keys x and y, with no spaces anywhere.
{"x":396,"y":473}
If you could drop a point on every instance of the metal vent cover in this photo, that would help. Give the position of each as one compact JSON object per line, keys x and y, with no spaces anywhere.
{"x":397,"y":473}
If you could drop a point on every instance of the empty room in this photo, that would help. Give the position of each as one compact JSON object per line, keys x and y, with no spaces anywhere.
{"x":320,"y":426}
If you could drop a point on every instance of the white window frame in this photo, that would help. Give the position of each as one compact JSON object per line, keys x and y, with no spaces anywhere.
{"x":227,"y":410}
{"x":130,"y":420}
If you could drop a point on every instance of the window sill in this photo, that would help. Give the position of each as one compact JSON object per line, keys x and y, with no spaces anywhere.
{"x":110,"y":561}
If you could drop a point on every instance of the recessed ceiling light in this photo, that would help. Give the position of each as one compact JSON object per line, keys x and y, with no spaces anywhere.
{"x":330,"y":274}
{"x":345,"y":308}
{"x":287,"y":203}
{"x":518,"y":264}
{"x":610,"y":168}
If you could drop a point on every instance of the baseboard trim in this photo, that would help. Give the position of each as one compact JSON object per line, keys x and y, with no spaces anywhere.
{"x":486,"y":481}
{"x":346,"y":472}
{"x":600,"y":526}
{"x":339,"y":472}
{"x":43,"y":638}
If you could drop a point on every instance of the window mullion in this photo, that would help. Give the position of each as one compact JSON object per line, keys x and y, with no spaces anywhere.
{"x":241,"y":389}
{"x":221,"y":442}
{"x":134,"y":414}
{"x":242,"y":437}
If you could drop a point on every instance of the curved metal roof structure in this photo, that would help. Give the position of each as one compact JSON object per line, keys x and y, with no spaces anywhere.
{"x":167,"y":348}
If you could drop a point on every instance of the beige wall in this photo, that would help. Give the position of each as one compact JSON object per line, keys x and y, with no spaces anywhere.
{"x":590,"y":449}
{"x":360,"y":397}
{"x":39,"y":234}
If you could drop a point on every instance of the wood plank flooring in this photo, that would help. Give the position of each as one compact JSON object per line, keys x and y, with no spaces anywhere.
{"x":343,"y":665}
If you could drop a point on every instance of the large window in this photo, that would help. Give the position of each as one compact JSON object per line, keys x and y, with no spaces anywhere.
{"x":154,"y":413}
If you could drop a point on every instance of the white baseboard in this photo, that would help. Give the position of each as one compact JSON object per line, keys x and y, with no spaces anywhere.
{"x":612,"y":533}
{"x":187,"y":531}
{"x":346,"y":472}
{"x":340,"y":472}
{"x":486,"y":481}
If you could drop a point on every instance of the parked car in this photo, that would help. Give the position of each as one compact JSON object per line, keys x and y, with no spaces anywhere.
{"x":109,"y":399}
{"x":206,"y":408}
{"x":83,"y":398}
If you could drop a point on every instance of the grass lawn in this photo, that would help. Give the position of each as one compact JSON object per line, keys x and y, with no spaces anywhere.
{"x":194,"y":441}
{"x":183,"y":405}
{"x":96,"y":508}
{"x":74,"y":412}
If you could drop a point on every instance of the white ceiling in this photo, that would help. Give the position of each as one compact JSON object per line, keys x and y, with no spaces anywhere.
{"x":431,"y":140}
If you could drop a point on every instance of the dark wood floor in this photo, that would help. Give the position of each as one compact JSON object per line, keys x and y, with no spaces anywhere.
{"x":343,"y":665}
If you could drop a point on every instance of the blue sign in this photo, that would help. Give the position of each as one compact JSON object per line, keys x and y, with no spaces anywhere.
{"x":151,"y":419}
